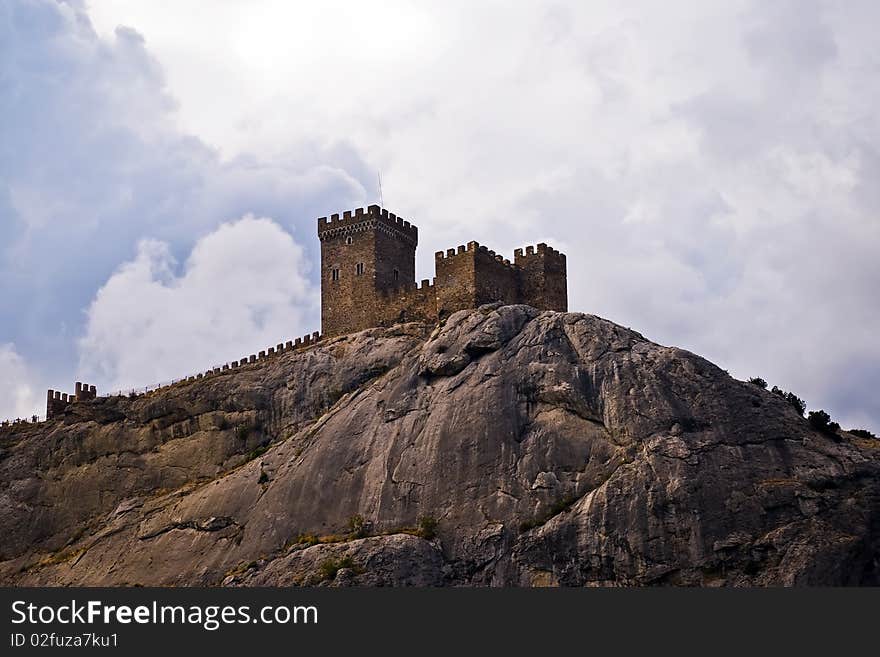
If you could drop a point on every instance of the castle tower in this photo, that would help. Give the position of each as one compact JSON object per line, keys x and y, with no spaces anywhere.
{"x":543,"y":280}
{"x":366,"y":257}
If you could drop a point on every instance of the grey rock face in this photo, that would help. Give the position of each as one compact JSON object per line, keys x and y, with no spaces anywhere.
{"x":548,"y":448}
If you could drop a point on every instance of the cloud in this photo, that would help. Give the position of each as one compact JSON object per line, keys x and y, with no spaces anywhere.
{"x":243,"y":287}
{"x":19,"y":398}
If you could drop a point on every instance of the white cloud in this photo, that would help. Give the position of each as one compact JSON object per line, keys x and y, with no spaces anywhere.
{"x":243,"y":288}
{"x":16,"y":380}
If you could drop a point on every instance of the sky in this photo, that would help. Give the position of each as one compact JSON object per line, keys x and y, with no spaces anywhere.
{"x":709,"y":168}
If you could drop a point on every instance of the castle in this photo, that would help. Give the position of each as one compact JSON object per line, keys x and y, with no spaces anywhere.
{"x":368,"y":270}
{"x":368,"y":275}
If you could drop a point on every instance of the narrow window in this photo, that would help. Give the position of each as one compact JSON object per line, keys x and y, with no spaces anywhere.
{"x":396,"y":274}
{"x":348,"y":240}
{"x":334,"y":274}
{"x":359,"y":269}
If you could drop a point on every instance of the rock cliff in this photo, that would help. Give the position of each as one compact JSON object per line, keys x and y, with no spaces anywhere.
{"x":506,"y":447}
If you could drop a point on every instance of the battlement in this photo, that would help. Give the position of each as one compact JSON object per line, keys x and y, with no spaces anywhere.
{"x":364,"y":219}
{"x":269,"y":352}
{"x":470,"y":249}
{"x":490,"y":255}
{"x":57,"y":395}
{"x":57,"y":401}
{"x":84,"y":391}
{"x":541,"y":250}
{"x":425,"y":285}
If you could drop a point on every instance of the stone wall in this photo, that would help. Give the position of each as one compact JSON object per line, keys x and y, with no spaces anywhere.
{"x":456,"y":279}
{"x":410,"y":304}
{"x":496,"y":279}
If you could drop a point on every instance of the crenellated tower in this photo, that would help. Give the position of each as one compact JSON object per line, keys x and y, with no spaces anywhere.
{"x":543,"y":277}
{"x":366,"y":257}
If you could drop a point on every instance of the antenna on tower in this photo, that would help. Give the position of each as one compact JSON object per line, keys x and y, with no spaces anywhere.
{"x":381,"y":201}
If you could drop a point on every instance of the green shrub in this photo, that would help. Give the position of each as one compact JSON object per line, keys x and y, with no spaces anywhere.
{"x":307,"y":539}
{"x":257,"y":452}
{"x":796,"y":402}
{"x":242,"y":431}
{"x":862,"y":433}
{"x":330,"y":567}
{"x":428,"y":527}
{"x":821,"y":421}
{"x":357,"y":526}
{"x":264,"y":478}
{"x":758,"y":381}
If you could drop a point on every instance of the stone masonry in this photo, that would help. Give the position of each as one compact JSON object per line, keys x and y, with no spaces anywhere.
{"x":368,"y":275}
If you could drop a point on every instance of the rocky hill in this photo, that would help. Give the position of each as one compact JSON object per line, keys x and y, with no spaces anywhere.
{"x":505,"y":447}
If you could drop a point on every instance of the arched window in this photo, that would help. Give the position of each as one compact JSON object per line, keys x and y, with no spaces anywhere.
{"x":396,"y":274}
{"x":334,"y":274}
{"x":348,"y":240}
{"x":359,"y":269}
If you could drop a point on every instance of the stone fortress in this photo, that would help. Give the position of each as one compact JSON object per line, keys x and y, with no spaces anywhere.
{"x":368,"y":275}
{"x":368,"y":264}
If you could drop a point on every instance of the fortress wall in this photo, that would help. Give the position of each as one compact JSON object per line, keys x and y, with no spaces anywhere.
{"x":455,"y":281}
{"x":84,"y":391}
{"x":496,"y":279}
{"x":55,"y":405}
{"x":410,"y":304}
{"x":543,"y":277}
{"x":270,"y":352}
{"x":57,"y":401}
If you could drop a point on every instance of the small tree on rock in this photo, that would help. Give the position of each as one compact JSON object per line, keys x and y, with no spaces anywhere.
{"x":797,"y":403}
{"x":821,"y":421}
